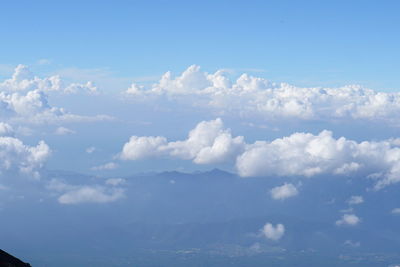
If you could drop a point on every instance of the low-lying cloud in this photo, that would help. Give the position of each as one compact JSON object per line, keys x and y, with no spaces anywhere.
{"x":300,"y":154}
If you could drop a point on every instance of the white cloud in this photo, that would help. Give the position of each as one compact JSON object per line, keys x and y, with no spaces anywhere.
{"x":301,"y":154}
{"x":24,"y":80}
{"x":6,"y":129}
{"x":249,"y":96}
{"x":16,"y":156}
{"x":396,"y":211}
{"x":273,"y":232}
{"x":105,"y":167}
{"x":348,"y":219}
{"x":309,"y":155}
{"x":91,"y":194}
{"x":284,"y":191}
{"x":207,"y":143}
{"x":63,"y":131}
{"x":355,"y":200}
{"x":23,"y":98}
{"x":77,"y":194}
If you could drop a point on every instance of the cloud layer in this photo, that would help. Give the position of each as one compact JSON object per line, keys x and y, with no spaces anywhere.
{"x":300,"y":154}
{"x":253,"y":96}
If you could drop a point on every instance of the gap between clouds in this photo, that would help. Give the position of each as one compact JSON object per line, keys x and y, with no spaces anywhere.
{"x":300,"y":154}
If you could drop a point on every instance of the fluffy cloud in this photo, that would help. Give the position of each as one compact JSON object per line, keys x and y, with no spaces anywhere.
{"x":355,"y":200}
{"x":24,"y":80}
{"x":273,"y":232}
{"x":301,"y":154}
{"x":77,"y":194}
{"x":248,"y":96}
{"x":24,"y":98}
{"x":16,"y":156}
{"x":284,"y":191}
{"x":348,"y":219}
{"x":207,"y":143}
{"x":309,"y":155}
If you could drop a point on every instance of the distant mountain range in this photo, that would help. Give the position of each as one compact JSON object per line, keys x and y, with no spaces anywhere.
{"x":215,"y":217}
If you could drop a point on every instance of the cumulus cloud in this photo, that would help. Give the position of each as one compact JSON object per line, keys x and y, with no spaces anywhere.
{"x":273,"y":232}
{"x":284,"y":191}
{"x":348,"y":219}
{"x":310,"y":155}
{"x":24,"y":80}
{"x":300,"y":154}
{"x":355,"y":200}
{"x":207,"y":143}
{"x":77,"y":194}
{"x":248,"y":95}
{"x":24,"y":97}
{"x":16,"y":156}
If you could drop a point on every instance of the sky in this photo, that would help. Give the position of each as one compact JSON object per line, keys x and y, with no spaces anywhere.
{"x":307,"y":43}
{"x":257,"y":88}
{"x":110,"y":57}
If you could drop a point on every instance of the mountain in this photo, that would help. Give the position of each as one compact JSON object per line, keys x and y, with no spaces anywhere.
{"x":7,"y":260}
{"x":206,"y":219}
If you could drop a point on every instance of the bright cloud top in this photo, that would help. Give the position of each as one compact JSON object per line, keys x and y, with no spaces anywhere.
{"x":77,"y":194}
{"x":24,"y":80}
{"x":24,"y":97}
{"x":349,"y":219}
{"x":253,"y":96}
{"x":301,"y":154}
{"x":284,"y":191}
{"x":273,"y":232}
{"x":16,"y":156}
{"x":207,"y":143}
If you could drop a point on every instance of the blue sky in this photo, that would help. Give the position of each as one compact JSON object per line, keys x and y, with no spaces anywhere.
{"x":308,"y":43}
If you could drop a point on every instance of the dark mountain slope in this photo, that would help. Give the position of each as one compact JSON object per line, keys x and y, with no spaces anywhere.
{"x":7,"y":260}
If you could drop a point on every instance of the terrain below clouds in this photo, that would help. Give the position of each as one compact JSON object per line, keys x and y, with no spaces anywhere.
{"x":213,"y":216}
